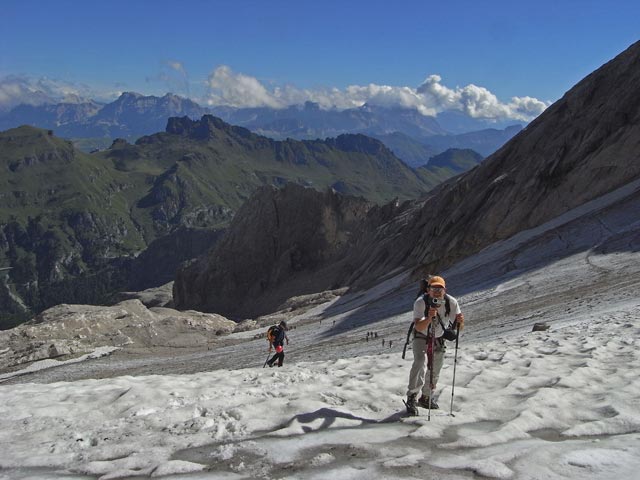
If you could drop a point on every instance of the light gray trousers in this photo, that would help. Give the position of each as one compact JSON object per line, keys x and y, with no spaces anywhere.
{"x":419,"y":375}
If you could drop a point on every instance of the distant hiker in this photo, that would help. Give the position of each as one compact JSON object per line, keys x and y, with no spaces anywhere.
{"x":383,"y":342}
{"x":277,"y":336}
{"x":390,"y":342}
{"x":428,"y":321}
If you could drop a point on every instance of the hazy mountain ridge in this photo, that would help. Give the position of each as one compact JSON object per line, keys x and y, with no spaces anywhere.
{"x":133,"y":115}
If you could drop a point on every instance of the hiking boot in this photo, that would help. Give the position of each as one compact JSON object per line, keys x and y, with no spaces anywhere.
{"x":412,"y":407}
{"x":270,"y":364}
{"x":423,"y":401}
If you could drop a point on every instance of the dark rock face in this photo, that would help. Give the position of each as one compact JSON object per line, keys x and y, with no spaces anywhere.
{"x":281,"y":243}
{"x":158,"y":263}
{"x":582,"y":147}
{"x":358,"y":143}
{"x":204,"y":129}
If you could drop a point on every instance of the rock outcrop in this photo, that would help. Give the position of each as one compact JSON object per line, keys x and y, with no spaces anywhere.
{"x":151,"y":297}
{"x":282,"y":243}
{"x":79,"y":329}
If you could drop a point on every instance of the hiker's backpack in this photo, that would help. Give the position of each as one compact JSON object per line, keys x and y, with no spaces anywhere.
{"x":272,"y":333}
{"x":447,"y":311}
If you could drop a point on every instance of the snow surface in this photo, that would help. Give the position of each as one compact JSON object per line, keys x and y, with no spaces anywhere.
{"x":561,"y":403}
{"x":557,"y":404}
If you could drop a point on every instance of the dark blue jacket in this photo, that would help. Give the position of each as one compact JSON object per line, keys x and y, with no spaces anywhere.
{"x":280,"y":336}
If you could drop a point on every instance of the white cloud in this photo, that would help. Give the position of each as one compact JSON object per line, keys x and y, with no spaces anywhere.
{"x":227,"y":87}
{"x":22,"y":89}
{"x":16,"y":90}
{"x":478,"y":102}
{"x":237,"y":90}
{"x":177,"y":66}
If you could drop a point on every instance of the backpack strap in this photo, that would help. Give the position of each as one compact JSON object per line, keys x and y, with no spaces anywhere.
{"x":404,"y":350}
{"x":425,"y":297}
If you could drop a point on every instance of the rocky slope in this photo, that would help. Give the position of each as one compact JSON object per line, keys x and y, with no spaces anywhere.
{"x":66,"y":330}
{"x":584,"y":146}
{"x":282,"y":243}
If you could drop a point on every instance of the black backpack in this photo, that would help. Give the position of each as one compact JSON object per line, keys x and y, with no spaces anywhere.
{"x":449,"y":333}
{"x":272,"y":333}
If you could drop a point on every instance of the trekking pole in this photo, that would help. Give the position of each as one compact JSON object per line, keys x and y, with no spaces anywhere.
{"x":265,"y":362}
{"x":430,"y":365}
{"x":455,"y":362}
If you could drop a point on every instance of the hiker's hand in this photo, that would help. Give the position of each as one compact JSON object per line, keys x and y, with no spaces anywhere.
{"x":460,"y":321}
{"x":431,"y":314}
{"x":270,"y":349}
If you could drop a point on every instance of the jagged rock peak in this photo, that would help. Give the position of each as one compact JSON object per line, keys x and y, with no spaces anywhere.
{"x":130,"y":96}
{"x":119,"y":143}
{"x":358,"y":143}
{"x":202,"y":129}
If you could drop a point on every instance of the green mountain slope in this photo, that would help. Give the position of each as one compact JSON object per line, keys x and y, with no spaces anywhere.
{"x":448,"y":164}
{"x":71,"y":222}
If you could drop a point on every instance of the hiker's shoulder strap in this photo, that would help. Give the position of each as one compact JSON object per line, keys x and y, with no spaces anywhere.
{"x":425,"y":299}
{"x":404,"y":350}
{"x":447,"y":305}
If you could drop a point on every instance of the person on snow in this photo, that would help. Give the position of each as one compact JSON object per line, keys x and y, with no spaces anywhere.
{"x":280,"y":336}
{"x":427,"y":322}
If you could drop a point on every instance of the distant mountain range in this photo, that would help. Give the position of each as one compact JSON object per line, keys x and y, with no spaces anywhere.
{"x":130,"y":116}
{"x":412,"y":136}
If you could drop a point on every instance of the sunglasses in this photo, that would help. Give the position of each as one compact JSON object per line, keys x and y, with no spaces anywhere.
{"x":437,"y":289}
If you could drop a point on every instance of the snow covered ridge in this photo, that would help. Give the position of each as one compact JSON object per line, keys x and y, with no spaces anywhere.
{"x":555,"y":404}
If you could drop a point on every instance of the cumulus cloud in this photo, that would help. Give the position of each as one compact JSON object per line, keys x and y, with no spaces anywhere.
{"x":238,"y":90}
{"x":478,"y":102}
{"x":16,"y":90}
{"x":226,"y":87}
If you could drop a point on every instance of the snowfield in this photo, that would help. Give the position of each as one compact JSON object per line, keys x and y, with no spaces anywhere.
{"x":556,"y":404}
{"x":561,"y":403}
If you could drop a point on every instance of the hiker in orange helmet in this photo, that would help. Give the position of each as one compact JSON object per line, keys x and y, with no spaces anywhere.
{"x":434,"y":311}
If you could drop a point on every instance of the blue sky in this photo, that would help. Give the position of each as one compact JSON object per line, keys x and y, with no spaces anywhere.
{"x":511,"y":49}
